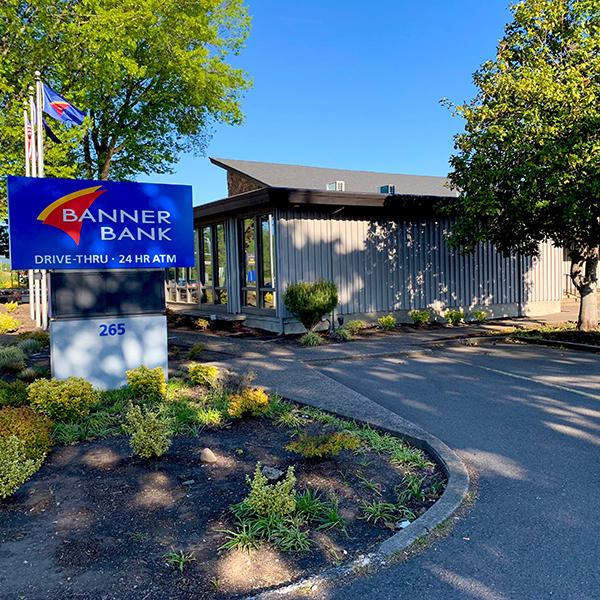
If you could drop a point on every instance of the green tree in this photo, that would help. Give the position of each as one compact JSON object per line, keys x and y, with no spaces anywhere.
{"x":527,"y":166}
{"x":152,"y":76}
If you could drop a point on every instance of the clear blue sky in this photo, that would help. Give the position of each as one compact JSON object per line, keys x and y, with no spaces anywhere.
{"x":352,"y":85}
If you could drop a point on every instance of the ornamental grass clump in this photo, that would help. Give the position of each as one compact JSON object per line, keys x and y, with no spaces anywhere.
{"x":30,"y":345}
{"x":328,"y":444}
{"x":69,"y":400}
{"x":311,"y":339}
{"x":150,"y":433}
{"x":33,"y":429}
{"x":15,"y":466}
{"x":311,"y":301}
{"x":11,"y":358}
{"x":355,"y":326}
{"x":147,"y":384}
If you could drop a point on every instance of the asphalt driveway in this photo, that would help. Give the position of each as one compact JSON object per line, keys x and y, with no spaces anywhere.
{"x":527,"y":420}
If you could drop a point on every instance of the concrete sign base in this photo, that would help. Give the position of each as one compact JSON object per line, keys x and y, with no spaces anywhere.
{"x":101,"y":350}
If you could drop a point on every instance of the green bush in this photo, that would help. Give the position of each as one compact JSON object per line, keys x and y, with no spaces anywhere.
{"x":388,"y":323}
{"x":150,"y":434}
{"x":68,"y":400}
{"x":8,"y":323}
{"x":267,"y":500}
{"x":454,"y":316}
{"x":195,"y":351}
{"x":204,"y":375}
{"x":11,"y":358}
{"x":43,"y":337}
{"x":15,"y":467}
{"x":343,"y":334}
{"x":147,"y":384}
{"x":13,"y":394}
{"x":251,"y":400}
{"x":29,"y":374}
{"x":311,"y":339}
{"x":203,"y":324}
{"x":34,"y":430}
{"x":420,"y":317}
{"x":355,"y":326}
{"x":11,"y":306}
{"x":209,"y":417}
{"x":328,"y":444}
{"x":480,"y":315}
{"x":311,"y":301}
{"x":30,"y":345}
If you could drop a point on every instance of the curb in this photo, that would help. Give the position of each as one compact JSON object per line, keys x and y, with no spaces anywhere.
{"x":456,"y":489}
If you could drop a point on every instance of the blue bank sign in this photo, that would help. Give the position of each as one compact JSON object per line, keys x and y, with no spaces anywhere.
{"x":78,"y":224}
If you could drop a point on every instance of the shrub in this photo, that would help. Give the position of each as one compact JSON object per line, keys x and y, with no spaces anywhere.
{"x":147,"y":384}
{"x":480,"y":315}
{"x":13,"y":394}
{"x":343,"y":334}
{"x":29,"y":374}
{"x":328,"y":444}
{"x":355,"y":327}
{"x":209,"y":417}
{"x":311,"y":339}
{"x":202,"y":324}
{"x":15,"y":467}
{"x":251,"y":400}
{"x":388,"y":322}
{"x":204,"y":375}
{"x":454,"y":316}
{"x":311,"y":301}
{"x":43,"y":337}
{"x":8,"y":323}
{"x":420,"y":317}
{"x":68,"y":400}
{"x":30,"y":345}
{"x":150,"y":434}
{"x":267,"y":500}
{"x":195,"y":351}
{"x":11,"y":306}
{"x":11,"y":358}
{"x":34,"y":430}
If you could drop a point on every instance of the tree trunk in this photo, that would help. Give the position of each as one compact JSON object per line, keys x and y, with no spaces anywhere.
{"x":584,"y":266}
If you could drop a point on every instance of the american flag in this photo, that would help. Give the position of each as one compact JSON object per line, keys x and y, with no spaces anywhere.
{"x":29,"y":138}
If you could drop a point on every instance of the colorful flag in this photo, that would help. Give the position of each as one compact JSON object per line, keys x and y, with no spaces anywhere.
{"x":29,"y":138}
{"x":60,"y":109}
{"x":49,"y":132}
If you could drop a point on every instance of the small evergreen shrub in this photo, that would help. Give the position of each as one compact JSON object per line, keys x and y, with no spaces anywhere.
{"x":343,"y":334}
{"x":388,"y":323}
{"x":420,"y":317}
{"x":480,"y":315}
{"x":15,"y":467}
{"x":43,"y":337}
{"x":195,"y":351}
{"x":30,"y":345}
{"x":355,"y":326}
{"x":11,"y":358}
{"x":311,"y":301}
{"x":150,"y":434}
{"x":13,"y":394}
{"x":251,"y":400}
{"x":11,"y":306}
{"x":327,"y":444}
{"x":33,"y":429}
{"x":203,"y":324}
{"x":8,"y":323}
{"x":68,"y":400}
{"x":311,"y":339}
{"x":207,"y":375}
{"x":454,"y":316}
{"x":271,"y":500}
{"x":147,"y":384}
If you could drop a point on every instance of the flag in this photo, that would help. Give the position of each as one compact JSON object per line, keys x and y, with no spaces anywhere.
{"x":50,"y":133}
{"x":61,"y":110}
{"x":29,"y":136}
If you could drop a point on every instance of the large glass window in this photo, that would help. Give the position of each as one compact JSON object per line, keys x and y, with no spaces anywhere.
{"x":213,"y":264}
{"x":258,"y":258}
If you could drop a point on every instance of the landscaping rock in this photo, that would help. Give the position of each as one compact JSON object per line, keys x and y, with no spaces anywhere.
{"x":208,"y":456}
{"x":273,"y":474}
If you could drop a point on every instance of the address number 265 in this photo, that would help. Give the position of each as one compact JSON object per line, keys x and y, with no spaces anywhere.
{"x":113,"y":329}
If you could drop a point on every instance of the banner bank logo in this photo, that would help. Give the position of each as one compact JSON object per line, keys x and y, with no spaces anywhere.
{"x":70,"y":212}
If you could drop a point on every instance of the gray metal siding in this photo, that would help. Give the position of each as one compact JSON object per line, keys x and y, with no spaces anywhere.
{"x":384,"y":265}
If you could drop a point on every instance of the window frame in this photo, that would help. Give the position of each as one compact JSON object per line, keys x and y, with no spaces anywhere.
{"x":216,"y":290}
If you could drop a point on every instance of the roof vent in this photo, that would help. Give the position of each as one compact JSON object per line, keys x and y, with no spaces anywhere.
{"x":336,"y":186}
{"x":390,"y":189}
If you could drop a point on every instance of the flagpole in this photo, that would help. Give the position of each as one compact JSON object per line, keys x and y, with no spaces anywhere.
{"x":40,"y":131}
{"x":28,"y":149}
{"x":32,"y":114}
{"x":27,"y":165}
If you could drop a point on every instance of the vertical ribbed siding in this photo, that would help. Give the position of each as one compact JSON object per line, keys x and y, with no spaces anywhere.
{"x":233,"y":266}
{"x":383,"y":265}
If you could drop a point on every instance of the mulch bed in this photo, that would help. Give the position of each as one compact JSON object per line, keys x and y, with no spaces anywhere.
{"x":95,"y":522}
{"x":590,"y":338}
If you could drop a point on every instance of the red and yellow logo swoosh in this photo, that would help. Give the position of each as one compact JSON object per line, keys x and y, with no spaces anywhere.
{"x":59,"y":106}
{"x":76,"y":203}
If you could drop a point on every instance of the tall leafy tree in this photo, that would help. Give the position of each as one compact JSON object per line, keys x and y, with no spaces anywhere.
{"x":527,"y":166}
{"x":152,"y":75}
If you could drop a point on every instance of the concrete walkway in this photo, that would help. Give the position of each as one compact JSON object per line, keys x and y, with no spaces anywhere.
{"x":525,"y":419}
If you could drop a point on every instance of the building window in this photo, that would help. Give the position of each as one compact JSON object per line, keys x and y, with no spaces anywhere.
{"x":212,"y":261}
{"x":258,"y":260}
{"x":181,"y":285}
